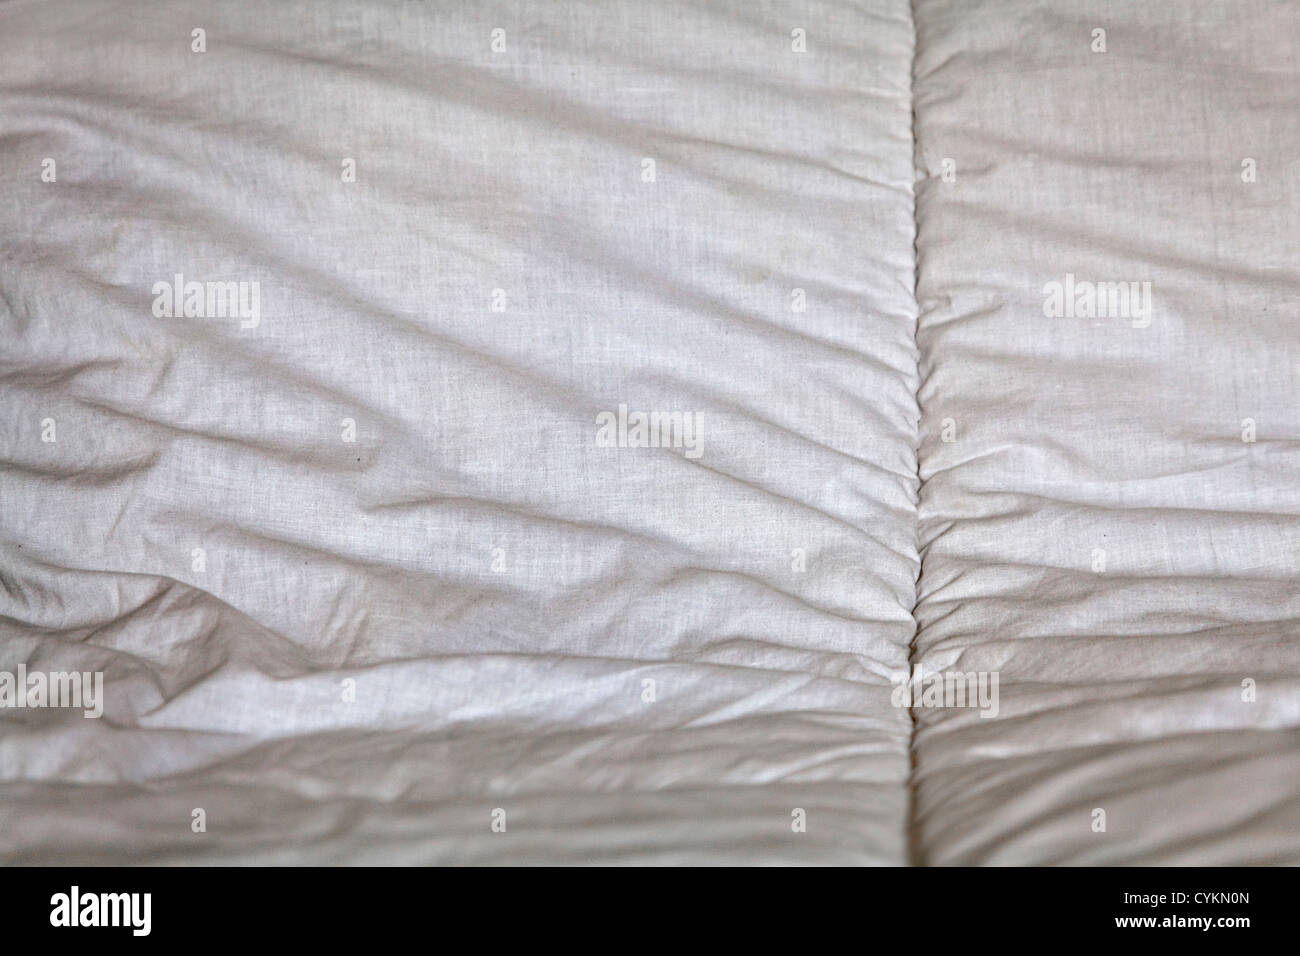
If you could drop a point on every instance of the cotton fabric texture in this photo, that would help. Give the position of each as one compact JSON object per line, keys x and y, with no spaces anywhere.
{"x":328,"y":333}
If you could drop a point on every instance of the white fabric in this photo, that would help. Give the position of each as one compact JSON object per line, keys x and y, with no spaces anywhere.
{"x":363,"y":577}
{"x":1098,"y":532}
{"x":476,"y":431}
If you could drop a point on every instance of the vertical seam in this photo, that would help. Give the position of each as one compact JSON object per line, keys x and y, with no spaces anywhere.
{"x":915,"y":853}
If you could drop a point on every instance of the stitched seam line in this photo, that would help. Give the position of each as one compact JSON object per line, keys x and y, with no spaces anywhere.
{"x":914,"y":850}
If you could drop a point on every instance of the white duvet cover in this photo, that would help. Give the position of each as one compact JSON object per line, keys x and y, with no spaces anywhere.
{"x":551,"y":433}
